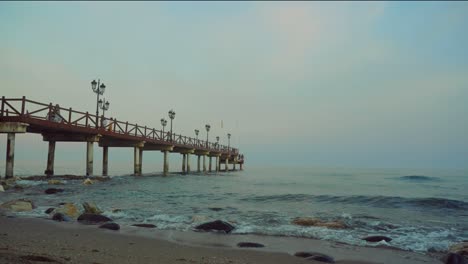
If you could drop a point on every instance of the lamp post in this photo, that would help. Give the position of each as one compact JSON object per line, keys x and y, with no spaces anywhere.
{"x":104,"y":105}
{"x":98,"y":89}
{"x":217,"y":141}
{"x":229,"y":140}
{"x":171,"y":116}
{"x":196,"y":134}
{"x":163,"y":123}
{"x":207,"y":131}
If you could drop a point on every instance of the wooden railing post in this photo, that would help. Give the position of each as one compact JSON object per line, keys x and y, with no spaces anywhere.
{"x":115,"y":122}
{"x":87,"y":116}
{"x":145,"y":131}
{"x":136,"y":129}
{"x":3,"y":105}
{"x":69,"y":115}
{"x":23,"y":104}
{"x":126,"y":127}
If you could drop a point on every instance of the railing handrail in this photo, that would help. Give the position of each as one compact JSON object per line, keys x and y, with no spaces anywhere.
{"x":90,"y":122}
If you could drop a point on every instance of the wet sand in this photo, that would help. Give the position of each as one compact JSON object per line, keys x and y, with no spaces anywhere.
{"x":26,"y":240}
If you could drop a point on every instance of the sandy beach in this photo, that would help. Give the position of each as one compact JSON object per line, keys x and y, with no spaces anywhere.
{"x":26,"y":240}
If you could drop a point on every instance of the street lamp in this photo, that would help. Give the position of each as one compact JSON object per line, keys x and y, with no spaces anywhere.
{"x":196,"y":133}
{"x":217,"y":141}
{"x":104,"y":105}
{"x":171,"y":116}
{"x":163,"y":123}
{"x":207,"y":131}
{"x":98,"y":89}
{"x":229,"y":140}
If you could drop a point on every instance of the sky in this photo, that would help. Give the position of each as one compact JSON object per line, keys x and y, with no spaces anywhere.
{"x":353,"y":84}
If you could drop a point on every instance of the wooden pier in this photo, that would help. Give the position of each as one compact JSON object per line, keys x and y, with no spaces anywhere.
{"x":57,"y":124}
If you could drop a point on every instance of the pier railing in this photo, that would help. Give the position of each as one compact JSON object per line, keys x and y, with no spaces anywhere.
{"x":28,"y":109}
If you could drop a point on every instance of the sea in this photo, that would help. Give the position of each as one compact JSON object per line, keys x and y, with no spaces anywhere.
{"x":420,"y":210}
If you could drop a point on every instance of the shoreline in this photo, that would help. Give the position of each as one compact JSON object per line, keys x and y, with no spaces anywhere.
{"x":72,"y":242}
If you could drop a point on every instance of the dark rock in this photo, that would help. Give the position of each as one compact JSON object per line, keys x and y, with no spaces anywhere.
{"x":60,"y":217}
{"x":250,"y":244}
{"x":217,"y":225}
{"x":377,"y":239}
{"x":48,"y":211}
{"x":216,"y":209}
{"x":111,"y":226}
{"x":453,"y":258}
{"x":36,"y":258}
{"x":315,"y":256}
{"x":93,"y":219}
{"x":53,"y":190}
{"x":145,"y":225}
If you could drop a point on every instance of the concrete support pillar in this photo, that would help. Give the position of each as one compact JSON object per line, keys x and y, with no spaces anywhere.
{"x":217,"y":163}
{"x":198,"y":163}
{"x":234,"y":164}
{"x":188,"y":163}
{"x":183,"y":163}
{"x":166,"y":164}
{"x":226,"y":164}
{"x":204,"y":163}
{"x":105,"y":160}
{"x":50,"y":159}
{"x":89,"y":158}
{"x":136,"y":161}
{"x":209,"y":164}
{"x":140,"y":159}
{"x":10,"y":155}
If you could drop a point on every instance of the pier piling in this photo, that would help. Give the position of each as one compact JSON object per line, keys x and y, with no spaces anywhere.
{"x":89,"y":158}
{"x":198,"y":163}
{"x":105,"y":159}
{"x":50,"y":159}
{"x":166,"y":164}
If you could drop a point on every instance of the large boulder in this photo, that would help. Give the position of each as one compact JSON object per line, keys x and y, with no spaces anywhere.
{"x":91,"y":208}
{"x":53,"y":190}
{"x":20,"y":205}
{"x":69,"y":210}
{"x":217,"y":225}
{"x":93,"y":219}
{"x":377,"y":239}
{"x":310,"y":221}
{"x":459,"y":248}
{"x":111,"y":226}
{"x":453,"y":258}
{"x":315,"y":256}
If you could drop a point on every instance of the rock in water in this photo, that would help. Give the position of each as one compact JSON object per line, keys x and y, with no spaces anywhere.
{"x":53,"y":190}
{"x":250,"y":245}
{"x":93,"y":219}
{"x":315,"y":256}
{"x":68,"y":209}
{"x":217,"y":225}
{"x":460,"y":248}
{"x":88,"y":181}
{"x":377,"y":239}
{"x":21,"y":205}
{"x":49,"y":210}
{"x":60,"y":217}
{"x":145,"y":225}
{"x":111,"y":226}
{"x":453,"y":258}
{"x":91,"y":208}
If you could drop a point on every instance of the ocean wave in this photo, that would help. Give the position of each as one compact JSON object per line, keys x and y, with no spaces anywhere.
{"x":376,"y":201}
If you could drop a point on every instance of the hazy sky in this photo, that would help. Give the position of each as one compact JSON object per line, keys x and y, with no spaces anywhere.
{"x":362,"y":84}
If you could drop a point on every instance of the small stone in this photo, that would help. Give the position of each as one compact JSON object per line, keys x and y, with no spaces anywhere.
{"x":60,"y":217}
{"x":145,"y":225}
{"x":55,"y":182}
{"x":93,"y":219}
{"x":48,"y":211}
{"x":250,"y":245}
{"x":53,"y":190}
{"x":377,"y":239}
{"x":111,"y":226}
{"x":315,"y":256}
